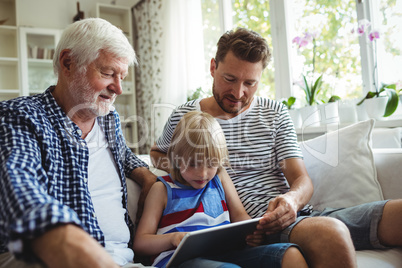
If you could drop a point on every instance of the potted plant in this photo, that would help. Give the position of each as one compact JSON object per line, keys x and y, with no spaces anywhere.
{"x":379,"y":102}
{"x":329,"y":110}
{"x":310,"y":113}
{"x":389,"y":102}
{"x":294,"y":114}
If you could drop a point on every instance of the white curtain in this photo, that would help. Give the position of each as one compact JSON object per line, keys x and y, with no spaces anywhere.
{"x":178,"y":52}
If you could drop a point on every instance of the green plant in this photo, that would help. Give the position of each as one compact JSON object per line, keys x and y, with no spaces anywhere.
{"x":312,"y":90}
{"x":289,"y":102}
{"x":393,"y":99}
{"x":334,"y":98}
{"x":195,"y":95}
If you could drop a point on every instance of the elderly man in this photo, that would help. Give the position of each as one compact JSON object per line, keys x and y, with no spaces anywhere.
{"x":63,"y":195}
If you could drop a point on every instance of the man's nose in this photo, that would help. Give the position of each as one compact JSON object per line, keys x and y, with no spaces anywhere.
{"x":238,"y":90}
{"x":116,"y":86}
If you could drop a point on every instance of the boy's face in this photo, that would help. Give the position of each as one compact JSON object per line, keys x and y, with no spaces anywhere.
{"x":197,"y":174}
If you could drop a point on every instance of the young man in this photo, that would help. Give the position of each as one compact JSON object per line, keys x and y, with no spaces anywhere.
{"x":63,"y":195}
{"x":267,"y":167}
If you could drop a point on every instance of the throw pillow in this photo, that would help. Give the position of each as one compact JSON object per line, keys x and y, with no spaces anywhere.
{"x":341,"y":166}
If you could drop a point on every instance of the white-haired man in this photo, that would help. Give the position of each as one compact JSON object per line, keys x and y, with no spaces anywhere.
{"x":64,"y":160}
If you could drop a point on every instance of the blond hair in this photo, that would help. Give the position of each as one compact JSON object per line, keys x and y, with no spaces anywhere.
{"x":197,"y":139}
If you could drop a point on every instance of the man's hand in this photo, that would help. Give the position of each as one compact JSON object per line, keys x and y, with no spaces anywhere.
{"x":68,"y":246}
{"x":281,"y":212}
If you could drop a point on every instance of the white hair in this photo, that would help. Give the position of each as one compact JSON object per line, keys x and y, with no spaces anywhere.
{"x":88,"y":37}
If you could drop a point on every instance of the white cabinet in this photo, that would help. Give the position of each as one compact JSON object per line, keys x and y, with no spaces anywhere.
{"x":9,"y":63}
{"x":126,"y":103}
{"x":9,"y":57}
{"x":37,"y":49}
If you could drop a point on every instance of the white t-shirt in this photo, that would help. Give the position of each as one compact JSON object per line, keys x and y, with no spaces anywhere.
{"x":107,"y":196}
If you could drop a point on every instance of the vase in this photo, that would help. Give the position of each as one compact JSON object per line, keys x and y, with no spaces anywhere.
{"x":347,"y":112}
{"x":375,"y":107}
{"x":310,"y":116}
{"x":296,"y":118}
{"x":329,"y":113}
{"x":361,"y":112}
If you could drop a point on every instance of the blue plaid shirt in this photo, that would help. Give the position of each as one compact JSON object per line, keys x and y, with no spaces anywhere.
{"x":44,"y":169}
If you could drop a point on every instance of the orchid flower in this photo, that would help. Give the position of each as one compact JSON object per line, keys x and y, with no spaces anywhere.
{"x":375,"y":34}
{"x":305,"y":39}
{"x":362,"y":26}
{"x":311,"y":89}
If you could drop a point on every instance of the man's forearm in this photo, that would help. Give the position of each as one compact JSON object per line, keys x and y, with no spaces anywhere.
{"x":301,"y":191}
{"x":159,"y":159}
{"x":143,"y":176}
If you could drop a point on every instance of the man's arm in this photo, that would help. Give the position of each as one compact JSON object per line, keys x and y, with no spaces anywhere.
{"x":159,"y":159}
{"x":145,"y":179}
{"x":68,"y":246}
{"x":282,"y":211}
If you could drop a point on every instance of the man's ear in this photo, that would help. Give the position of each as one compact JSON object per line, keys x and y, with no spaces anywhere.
{"x":212,"y":67}
{"x":65,"y":61}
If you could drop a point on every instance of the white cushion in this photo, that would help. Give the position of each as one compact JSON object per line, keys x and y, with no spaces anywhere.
{"x":341,"y":166}
{"x":379,"y":258}
{"x":134,"y":190}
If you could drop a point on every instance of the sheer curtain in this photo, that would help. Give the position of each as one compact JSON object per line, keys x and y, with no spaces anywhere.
{"x":169,"y":45}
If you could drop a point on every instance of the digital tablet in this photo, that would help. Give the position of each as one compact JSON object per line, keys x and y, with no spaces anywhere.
{"x":212,"y":241}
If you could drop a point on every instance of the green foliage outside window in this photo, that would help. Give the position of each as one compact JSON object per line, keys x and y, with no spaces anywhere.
{"x":254,"y":15}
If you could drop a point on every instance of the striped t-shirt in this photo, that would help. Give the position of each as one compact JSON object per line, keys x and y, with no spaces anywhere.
{"x":257,"y":140}
{"x":188,"y":209}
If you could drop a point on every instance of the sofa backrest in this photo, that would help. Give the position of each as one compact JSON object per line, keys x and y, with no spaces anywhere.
{"x":388,"y":163}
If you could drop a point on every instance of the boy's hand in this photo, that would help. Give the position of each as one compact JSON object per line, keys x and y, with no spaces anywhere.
{"x":255,"y":239}
{"x":176,"y":238}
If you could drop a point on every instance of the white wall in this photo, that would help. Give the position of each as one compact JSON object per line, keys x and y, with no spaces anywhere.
{"x":57,"y":14}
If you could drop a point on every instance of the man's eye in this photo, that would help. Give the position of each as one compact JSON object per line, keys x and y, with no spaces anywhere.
{"x":107,"y":74}
{"x":229,"y":79}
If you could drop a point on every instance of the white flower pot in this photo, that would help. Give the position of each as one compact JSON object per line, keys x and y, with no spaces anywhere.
{"x":310,"y":116}
{"x":347,"y":112}
{"x":329,"y":113}
{"x":375,"y":107}
{"x":296,"y":118}
{"x":361,"y":112}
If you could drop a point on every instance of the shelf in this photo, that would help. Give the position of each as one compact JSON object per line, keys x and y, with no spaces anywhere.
{"x":8,"y":11}
{"x":9,"y":74}
{"x":118,"y":16}
{"x":9,"y":91}
{"x":40,"y":63}
{"x":36,"y":48}
{"x":8,"y":42}
{"x":8,"y":61}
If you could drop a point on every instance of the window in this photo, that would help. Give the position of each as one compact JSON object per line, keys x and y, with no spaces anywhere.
{"x":346,"y":62}
{"x":252,"y":15}
{"x":389,"y":45}
{"x":212,"y":31}
{"x":331,"y":49}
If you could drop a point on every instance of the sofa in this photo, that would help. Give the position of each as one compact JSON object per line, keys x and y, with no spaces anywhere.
{"x":345,"y":171}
